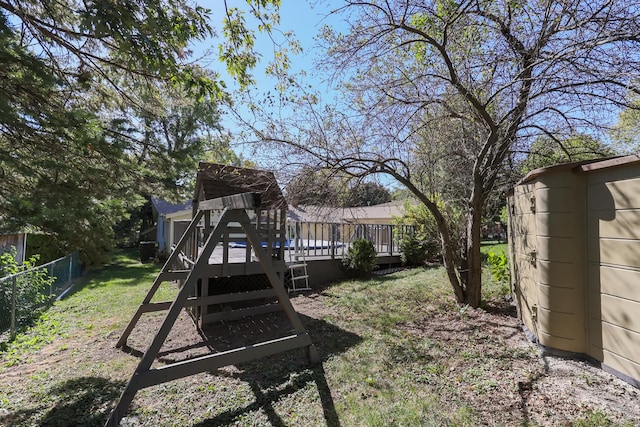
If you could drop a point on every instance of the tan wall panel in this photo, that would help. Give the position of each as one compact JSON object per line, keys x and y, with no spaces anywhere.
{"x":525,"y":306}
{"x":560,"y":325}
{"x":614,"y":195}
{"x":595,"y":310}
{"x":525,"y":269}
{"x":524,"y":244}
{"x":524,"y":189}
{"x":621,"y":224}
{"x":559,"y":249}
{"x":521,"y":204}
{"x":560,"y":343}
{"x":595,"y":339}
{"x":620,"y":312}
{"x":615,"y":251}
{"x":557,"y":224}
{"x":560,"y":300}
{"x":622,"y":342}
{"x":556,"y":199}
{"x":560,"y":274}
{"x":614,"y":281}
{"x":523,"y":224}
{"x":558,"y":179}
{"x":619,"y":173}
{"x":620,"y":364}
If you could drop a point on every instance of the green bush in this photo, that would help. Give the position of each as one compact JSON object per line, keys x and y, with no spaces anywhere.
{"x":425,"y":228}
{"x":361,"y":258}
{"x":499,"y":266}
{"x":31,"y":289}
{"x":415,"y":251}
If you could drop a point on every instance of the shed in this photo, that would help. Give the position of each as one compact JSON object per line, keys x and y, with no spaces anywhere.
{"x":17,"y":240}
{"x":574,"y":248}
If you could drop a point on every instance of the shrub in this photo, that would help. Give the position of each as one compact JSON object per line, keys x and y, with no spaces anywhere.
{"x":31,"y":287}
{"x":361,"y":258}
{"x":425,"y":227}
{"x":413,"y":251}
{"x":499,"y":266}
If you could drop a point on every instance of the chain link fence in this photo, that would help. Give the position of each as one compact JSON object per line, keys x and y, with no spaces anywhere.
{"x":24,"y":295}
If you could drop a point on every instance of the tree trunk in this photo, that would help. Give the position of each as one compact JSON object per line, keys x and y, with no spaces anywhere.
{"x":449,"y":261}
{"x":473,"y":284}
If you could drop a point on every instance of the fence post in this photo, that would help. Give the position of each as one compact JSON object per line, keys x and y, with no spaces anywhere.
{"x":50,"y":271}
{"x":70,"y":257}
{"x":14,"y":289}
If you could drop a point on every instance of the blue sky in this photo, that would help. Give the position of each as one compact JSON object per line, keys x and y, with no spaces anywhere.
{"x":304,"y":18}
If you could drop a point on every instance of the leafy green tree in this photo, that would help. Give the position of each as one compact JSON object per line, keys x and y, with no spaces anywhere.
{"x":101,"y":105}
{"x":367,"y":194}
{"x":626,"y":133}
{"x":312,"y":186}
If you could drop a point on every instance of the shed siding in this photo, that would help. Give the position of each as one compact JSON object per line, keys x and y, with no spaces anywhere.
{"x":522,"y":222}
{"x":560,"y":253}
{"x":613,"y":218}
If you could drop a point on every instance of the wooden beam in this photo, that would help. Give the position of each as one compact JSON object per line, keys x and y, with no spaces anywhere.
{"x":211,"y":362}
{"x":211,"y":299}
{"x":159,"y":279}
{"x":174,"y":310}
{"x":236,"y":201}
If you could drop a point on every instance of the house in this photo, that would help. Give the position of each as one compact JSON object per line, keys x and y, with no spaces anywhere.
{"x":574,"y":248}
{"x":169,"y":219}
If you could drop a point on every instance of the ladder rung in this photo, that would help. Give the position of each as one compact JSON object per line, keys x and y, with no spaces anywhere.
{"x":297,"y":266}
{"x":299,"y":277}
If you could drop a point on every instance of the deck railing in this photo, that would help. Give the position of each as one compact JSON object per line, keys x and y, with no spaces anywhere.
{"x":312,"y":239}
{"x":316,"y":239}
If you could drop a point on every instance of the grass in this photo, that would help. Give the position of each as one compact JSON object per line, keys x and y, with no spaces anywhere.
{"x":493,"y":246}
{"x":396,"y":350}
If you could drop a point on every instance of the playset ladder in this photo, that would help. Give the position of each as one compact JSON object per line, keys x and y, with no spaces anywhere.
{"x":146,"y":376}
{"x":297,"y":263}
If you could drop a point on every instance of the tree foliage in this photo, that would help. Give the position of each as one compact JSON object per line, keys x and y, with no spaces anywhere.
{"x":101,"y":107}
{"x":454,"y":89}
{"x":547,"y":152}
{"x":313,"y":186}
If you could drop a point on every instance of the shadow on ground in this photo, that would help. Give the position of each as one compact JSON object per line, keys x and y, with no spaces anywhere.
{"x":275,"y":377}
{"x":270,"y":378}
{"x":80,"y":401}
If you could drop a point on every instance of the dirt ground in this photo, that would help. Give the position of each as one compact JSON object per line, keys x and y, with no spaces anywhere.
{"x":554,"y":389}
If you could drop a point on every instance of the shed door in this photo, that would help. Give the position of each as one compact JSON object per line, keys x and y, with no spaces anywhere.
{"x":613,"y":272}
